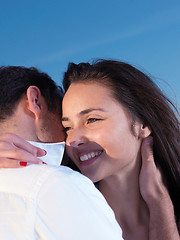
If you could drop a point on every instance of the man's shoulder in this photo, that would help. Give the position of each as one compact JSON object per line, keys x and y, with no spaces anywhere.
{"x":76,"y":202}
{"x":23,"y":180}
{"x":37,"y":182}
{"x":57,"y":194}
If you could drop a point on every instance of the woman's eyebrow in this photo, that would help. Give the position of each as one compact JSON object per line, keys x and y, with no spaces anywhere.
{"x":84,"y":112}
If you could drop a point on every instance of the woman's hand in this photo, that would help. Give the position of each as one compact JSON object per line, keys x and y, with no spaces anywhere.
{"x":151,"y":184}
{"x":16,"y":152}
{"x":162,"y":224}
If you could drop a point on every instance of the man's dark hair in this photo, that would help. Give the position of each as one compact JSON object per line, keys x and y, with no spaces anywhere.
{"x":14,"y":82}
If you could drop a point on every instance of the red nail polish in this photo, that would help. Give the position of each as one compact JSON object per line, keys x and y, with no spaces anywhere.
{"x":44,"y":163}
{"x":23,"y":164}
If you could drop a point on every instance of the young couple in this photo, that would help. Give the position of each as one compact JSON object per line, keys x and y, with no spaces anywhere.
{"x":123,"y":134}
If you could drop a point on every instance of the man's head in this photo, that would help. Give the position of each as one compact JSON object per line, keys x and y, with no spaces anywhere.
{"x":30,"y":104}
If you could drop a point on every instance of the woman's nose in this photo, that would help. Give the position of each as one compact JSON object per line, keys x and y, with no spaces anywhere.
{"x":76,"y":138}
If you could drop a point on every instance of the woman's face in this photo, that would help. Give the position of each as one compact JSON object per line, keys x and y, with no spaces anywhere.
{"x":99,"y":136}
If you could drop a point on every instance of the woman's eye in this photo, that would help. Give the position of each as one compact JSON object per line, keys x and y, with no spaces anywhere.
{"x":91,"y":120}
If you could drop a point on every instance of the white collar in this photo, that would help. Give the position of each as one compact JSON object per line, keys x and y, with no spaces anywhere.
{"x":54,"y":151}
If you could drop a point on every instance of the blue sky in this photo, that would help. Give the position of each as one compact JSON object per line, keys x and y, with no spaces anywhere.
{"x":50,"y":34}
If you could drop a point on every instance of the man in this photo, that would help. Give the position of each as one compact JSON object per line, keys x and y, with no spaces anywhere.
{"x":41,"y":201}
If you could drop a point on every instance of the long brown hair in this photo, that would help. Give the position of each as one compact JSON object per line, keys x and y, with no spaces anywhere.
{"x":145,"y":101}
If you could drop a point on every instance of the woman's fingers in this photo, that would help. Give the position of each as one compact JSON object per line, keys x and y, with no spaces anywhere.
{"x":15,"y":148}
{"x":147,"y":150}
{"x":19,"y":155}
{"x":154,"y":192}
{"x":8,"y":163}
{"x":151,"y":184}
{"x":15,"y":140}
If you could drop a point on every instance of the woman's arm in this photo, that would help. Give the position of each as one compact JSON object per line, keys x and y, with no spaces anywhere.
{"x":15,"y":152}
{"x":162,"y":224}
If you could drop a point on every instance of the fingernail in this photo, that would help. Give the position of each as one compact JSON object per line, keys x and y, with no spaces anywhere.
{"x":23,"y":164}
{"x":148,"y":140}
{"x":45,"y":152}
{"x":44,"y":163}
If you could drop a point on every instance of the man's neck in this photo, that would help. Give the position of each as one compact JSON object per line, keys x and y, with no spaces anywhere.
{"x":18,"y":127}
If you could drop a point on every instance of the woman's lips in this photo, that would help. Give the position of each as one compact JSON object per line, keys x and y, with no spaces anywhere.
{"x":89,"y":158}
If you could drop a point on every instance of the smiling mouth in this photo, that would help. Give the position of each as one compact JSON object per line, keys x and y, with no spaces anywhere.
{"x":90,"y":155}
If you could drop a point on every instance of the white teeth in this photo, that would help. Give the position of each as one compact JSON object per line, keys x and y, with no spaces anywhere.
{"x":90,"y":155}
{"x":93,"y":154}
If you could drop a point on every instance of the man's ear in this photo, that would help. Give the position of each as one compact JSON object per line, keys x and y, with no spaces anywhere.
{"x":36,"y":102}
{"x":144,"y":131}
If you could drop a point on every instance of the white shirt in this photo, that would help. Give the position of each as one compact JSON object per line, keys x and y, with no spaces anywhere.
{"x":48,"y":202}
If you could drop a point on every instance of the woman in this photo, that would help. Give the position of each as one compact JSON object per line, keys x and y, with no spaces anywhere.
{"x":111,"y":111}
{"x":108,"y":109}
